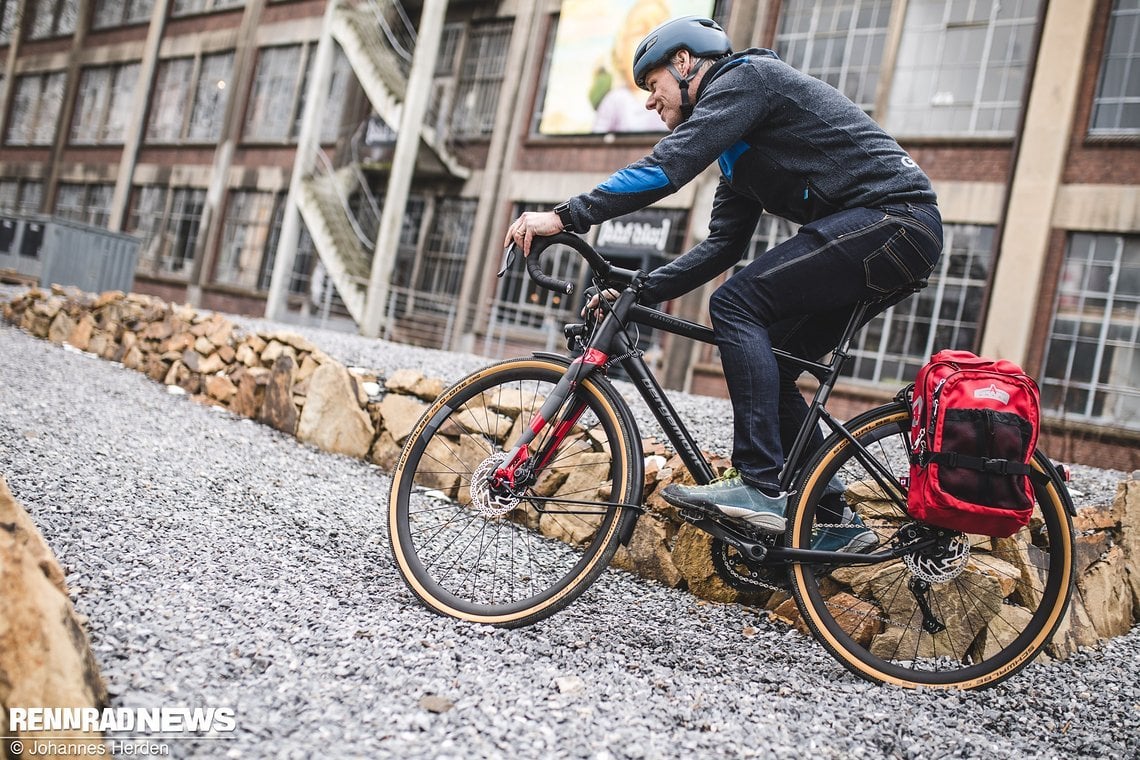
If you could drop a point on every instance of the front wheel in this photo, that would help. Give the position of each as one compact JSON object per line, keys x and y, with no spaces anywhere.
{"x":966,"y":611}
{"x":473,"y":547}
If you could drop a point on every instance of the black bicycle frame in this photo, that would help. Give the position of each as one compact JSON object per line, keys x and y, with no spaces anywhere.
{"x":611,"y":342}
{"x":825,"y":372}
{"x":612,"y":335}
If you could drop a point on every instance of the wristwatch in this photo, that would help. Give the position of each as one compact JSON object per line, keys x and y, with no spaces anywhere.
{"x":563,"y":211}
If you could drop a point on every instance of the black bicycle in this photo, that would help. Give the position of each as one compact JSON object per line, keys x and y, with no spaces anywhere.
{"x":518,"y":484}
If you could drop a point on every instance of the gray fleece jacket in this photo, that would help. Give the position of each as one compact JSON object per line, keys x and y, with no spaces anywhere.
{"x":785,"y":142}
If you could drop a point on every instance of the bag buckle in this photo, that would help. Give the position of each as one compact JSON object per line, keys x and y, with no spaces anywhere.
{"x":995,"y":466}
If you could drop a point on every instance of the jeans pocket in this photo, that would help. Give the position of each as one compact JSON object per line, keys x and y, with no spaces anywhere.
{"x":897,"y":264}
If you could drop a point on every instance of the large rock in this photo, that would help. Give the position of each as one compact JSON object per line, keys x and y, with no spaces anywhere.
{"x":1126,"y":510}
{"x":45,"y":658}
{"x":413,"y":383}
{"x":250,"y":392}
{"x":692,"y":555}
{"x":278,"y":410}
{"x":399,"y":414}
{"x":1104,"y":589}
{"x":649,"y":553}
{"x":332,"y":419}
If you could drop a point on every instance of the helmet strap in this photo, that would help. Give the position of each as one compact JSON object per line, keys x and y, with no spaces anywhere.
{"x":683,"y":83}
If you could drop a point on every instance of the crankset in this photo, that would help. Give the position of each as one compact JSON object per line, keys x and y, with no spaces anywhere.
{"x":747,"y":577}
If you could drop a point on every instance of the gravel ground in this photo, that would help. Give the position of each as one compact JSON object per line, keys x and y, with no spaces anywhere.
{"x":223,"y":564}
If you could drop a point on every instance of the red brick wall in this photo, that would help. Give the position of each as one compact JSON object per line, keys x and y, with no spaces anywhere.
{"x":964,"y":161}
{"x":1098,"y":160}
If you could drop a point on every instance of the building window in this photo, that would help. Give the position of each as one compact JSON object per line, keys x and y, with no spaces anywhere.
{"x":840,"y":42}
{"x":1116,"y":109}
{"x":303,"y":262}
{"x":210,"y":97}
{"x":167,"y":220}
{"x":113,"y":13}
{"x":521,"y":303}
{"x":961,"y":68}
{"x":52,"y":18}
{"x":8,"y":10}
{"x":190,"y":97}
{"x":445,"y":251}
{"x":191,"y":7}
{"x":334,"y":105}
{"x":404,"y":271}
{"x":104,"y":104}
{"x":21,"y":195}
{"x":89,"y":204}
{"x":245,"y":236}
{"x":444,"y":83}
{"x":945,"y":314}
{"x":1092,"y":361}
{"x":277,"y":101}
{"x":273,"y":111}
{"x":36,"y":103}
{"x":483,"y":64}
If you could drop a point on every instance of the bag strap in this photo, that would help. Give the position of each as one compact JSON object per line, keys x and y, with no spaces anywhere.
{"x":981,"y":464}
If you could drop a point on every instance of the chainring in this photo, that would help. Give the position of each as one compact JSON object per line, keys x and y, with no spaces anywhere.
{"x":744,"y":576}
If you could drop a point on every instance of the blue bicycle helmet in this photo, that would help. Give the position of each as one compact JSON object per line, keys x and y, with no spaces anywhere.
{"x":701,"y":36}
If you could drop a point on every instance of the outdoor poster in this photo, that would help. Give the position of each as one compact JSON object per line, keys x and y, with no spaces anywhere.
{"x":590,"y":88}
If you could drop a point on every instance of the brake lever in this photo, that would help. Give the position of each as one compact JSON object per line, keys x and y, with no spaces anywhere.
{"x":509,"y":254}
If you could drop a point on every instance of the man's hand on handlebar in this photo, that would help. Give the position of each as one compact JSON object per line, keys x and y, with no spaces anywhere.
{"x":595,"y":303}
{"x":529,"y":225}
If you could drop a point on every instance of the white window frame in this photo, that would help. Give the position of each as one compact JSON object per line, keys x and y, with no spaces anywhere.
{"x":1121,"y":55}
{"x":1091,"y":365}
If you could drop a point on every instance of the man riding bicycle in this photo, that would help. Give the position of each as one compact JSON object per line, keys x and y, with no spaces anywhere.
{"x":791,"y":145}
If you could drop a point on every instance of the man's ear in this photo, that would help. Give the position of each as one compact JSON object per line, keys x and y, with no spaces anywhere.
{"x":684,"y":62}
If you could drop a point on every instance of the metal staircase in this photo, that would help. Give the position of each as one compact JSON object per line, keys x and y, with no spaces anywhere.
{"x":377,"y":39}
{"x":338,"y":235}
{"x":335,"y":203}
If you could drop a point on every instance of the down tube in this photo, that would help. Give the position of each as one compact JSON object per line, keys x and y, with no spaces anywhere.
{"x":666,"y":416}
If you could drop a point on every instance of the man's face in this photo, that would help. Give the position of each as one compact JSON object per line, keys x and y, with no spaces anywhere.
{"x":665,"y":92}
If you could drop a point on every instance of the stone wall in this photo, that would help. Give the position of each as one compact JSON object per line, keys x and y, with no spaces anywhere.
{"x":45,"y":659}
{"x":282,"y":380}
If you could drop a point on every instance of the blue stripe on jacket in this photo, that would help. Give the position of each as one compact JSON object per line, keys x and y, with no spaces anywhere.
{"x":635,"y":180}
{"x":727,"y":160}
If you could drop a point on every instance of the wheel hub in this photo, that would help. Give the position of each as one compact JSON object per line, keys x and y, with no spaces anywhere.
{"x":488,"y":499}
{"x":942,"y":562}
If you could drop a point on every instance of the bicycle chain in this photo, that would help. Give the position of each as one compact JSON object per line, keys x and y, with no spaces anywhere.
{"x":756,"y":581}
{"x":753,"y":579}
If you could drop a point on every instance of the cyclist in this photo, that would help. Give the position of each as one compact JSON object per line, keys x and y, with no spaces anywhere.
{"x":787,"y":143}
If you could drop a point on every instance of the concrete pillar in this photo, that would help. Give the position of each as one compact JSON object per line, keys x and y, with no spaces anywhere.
{"x":415,"y":104}
{"x":14,"y":41}
{"x":71,"y":87}
{"x":487,"y":232}
{"x":136,"y":132}
{"x":206,"y":246}
{"x":307,"y":144}
{"x":1033,"y":192}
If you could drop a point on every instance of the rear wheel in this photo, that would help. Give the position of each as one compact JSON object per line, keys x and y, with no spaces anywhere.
{"x":512,"y":554}
{"x":966,"y":612}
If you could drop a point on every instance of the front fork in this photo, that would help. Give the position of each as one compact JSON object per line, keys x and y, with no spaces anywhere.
{"x":518,"y":459}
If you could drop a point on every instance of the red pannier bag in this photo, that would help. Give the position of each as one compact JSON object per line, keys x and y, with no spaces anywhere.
{"x":974,"y":425}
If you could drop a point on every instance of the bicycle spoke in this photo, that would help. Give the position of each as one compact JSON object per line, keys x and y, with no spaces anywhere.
{"x":490,"y":542}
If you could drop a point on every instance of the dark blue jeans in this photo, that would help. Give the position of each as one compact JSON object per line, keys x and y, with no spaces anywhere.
{"x":798,"y":297}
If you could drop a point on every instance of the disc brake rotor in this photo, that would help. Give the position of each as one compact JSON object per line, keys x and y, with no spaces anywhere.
{"x":488,"y":500}
{"x":942,"y":562}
